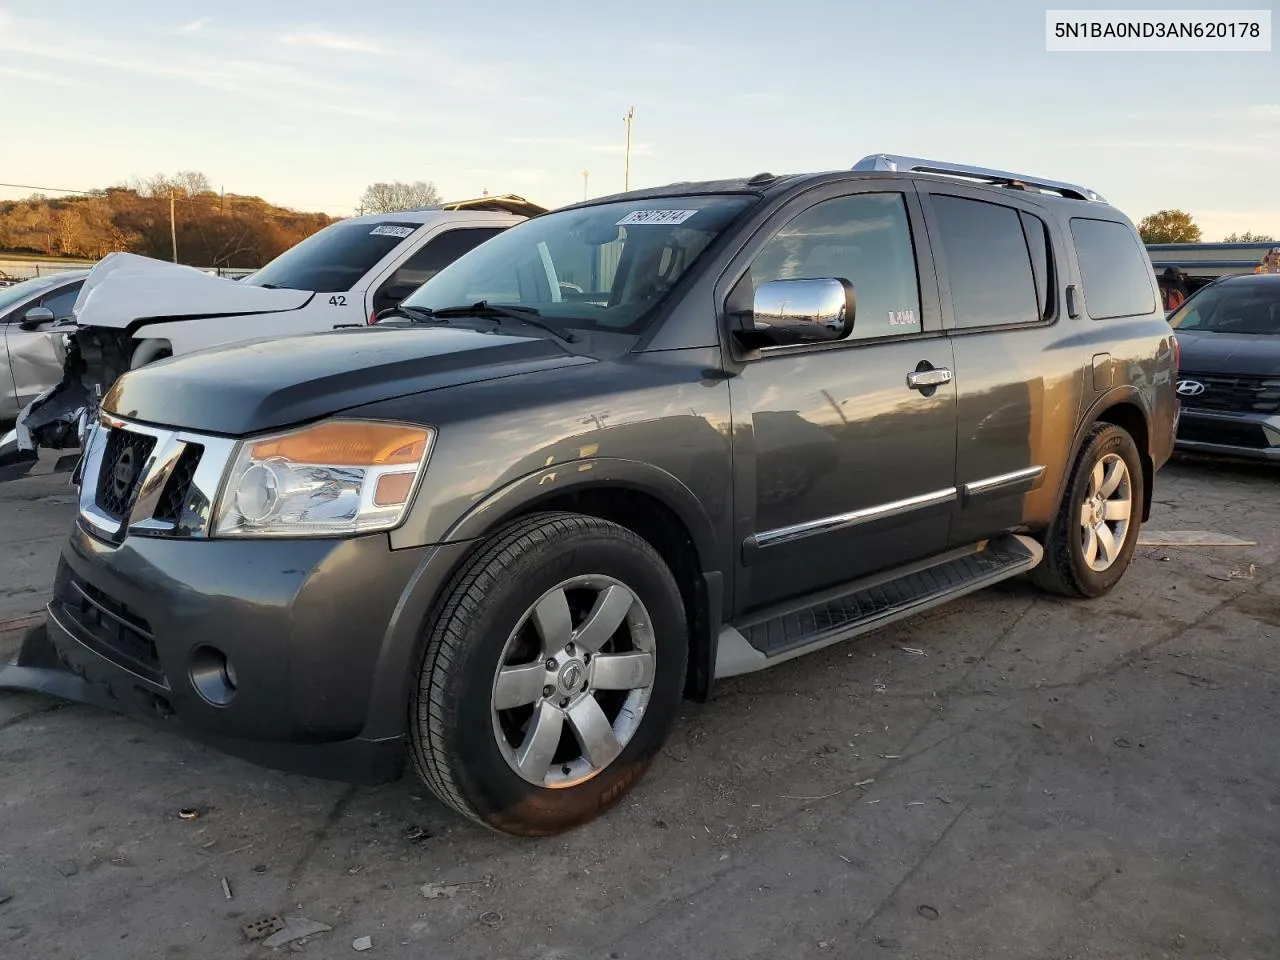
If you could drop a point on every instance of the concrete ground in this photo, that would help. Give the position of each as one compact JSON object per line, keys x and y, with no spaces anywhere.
{"x":1044,"y":779}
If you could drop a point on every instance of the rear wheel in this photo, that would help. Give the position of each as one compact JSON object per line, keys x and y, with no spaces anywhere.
{"x":1092,"y":540}
{"x":550,"y":676}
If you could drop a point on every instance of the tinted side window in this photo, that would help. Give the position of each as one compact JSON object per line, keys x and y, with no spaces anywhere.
{"x":441,"y":251}
{"x":62,"y":301}
{"x":1114,"y":269}
{"x":988,"y":264}
{"x":865,"y":239}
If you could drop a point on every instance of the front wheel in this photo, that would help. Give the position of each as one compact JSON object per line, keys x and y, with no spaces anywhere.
{"x":1092,"y":540}
{"x":550,"y":675}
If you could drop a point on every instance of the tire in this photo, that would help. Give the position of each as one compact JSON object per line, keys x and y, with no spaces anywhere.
{"x":472,"y":730}
{"x":1074,"y":564}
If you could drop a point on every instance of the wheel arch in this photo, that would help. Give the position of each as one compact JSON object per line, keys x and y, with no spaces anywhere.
{"x":645,"y":499}
{"x":1124,"y":408}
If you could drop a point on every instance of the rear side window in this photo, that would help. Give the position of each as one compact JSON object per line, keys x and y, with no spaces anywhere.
{"x":988,"y":264}
{"x":333,"y":260}
{"x":1114,"y":269}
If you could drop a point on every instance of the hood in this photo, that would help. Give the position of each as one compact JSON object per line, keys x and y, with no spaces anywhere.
{"x":249,"y":387}
{"x":1230,"y":354}
{"x":124,"y":287}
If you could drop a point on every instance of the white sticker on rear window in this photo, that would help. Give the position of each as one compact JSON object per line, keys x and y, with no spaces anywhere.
{"x":389,"y":231}
{"x":662,"y":217}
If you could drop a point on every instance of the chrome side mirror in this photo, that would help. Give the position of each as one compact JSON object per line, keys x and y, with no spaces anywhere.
{"x":788,"y":311}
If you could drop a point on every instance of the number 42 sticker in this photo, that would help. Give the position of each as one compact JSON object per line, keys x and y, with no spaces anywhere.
{"x":337,"y":301}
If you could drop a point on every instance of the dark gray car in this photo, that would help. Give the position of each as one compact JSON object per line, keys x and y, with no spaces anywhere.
{"x":622,"y":450}
{"x":1229,"y":382}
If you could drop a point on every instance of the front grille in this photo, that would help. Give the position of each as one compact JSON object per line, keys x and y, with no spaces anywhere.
{"x":106,"y":625}
{"x":1226,"y":433}
{"x":174,"y":496}
{"x":123,"y":460}
{"x":1234,"y":394}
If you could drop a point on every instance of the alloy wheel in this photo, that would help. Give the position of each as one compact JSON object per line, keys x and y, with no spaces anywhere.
{"x":573,"y":681}
{"x":1105,"y":513}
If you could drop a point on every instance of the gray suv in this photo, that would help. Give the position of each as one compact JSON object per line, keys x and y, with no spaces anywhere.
{"x":608,"y":457}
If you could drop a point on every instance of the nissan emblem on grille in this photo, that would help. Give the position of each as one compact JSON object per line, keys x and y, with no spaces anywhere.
{"x":123,"y":475}
{"x":1190,"y":388}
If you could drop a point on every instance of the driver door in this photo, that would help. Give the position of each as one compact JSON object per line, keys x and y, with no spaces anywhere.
{"x":843,"y":468}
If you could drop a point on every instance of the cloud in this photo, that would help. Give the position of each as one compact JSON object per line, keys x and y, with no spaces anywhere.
{"x":1185,"y":146}
{"x":618,"y":149}
{"x":195,"y":25}
{"x":1256,"y":113}
{"x":39,"y":76}
{"x":331,"y":41}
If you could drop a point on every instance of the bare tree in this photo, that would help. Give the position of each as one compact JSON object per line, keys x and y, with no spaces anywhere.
{"x":191,"y":182}
{"x":390,"y":197}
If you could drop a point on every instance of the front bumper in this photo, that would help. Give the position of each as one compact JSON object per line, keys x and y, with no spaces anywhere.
{"x":322,"y":637}
{"x":1250,"y":436}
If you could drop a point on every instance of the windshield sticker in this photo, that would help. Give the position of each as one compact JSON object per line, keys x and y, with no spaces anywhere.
{"x":389,"y":231}
{"x":660,"y":217}
{"x":902,"y":318}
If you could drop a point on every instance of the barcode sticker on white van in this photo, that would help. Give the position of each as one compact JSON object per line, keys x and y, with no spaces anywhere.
{"x":661,"y":217}
{"x":386,"y":230}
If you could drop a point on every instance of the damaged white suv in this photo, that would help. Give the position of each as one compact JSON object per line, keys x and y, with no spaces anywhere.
{"x":134,"y":310}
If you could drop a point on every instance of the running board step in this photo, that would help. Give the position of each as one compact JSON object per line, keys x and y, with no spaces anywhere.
{"x":759,"y":643}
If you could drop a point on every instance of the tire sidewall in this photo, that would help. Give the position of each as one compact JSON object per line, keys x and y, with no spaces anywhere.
{"x":499,"y":795}
{"x":1115,"y":440}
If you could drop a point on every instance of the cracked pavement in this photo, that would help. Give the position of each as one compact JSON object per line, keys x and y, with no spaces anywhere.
{"x":1049,"y":779}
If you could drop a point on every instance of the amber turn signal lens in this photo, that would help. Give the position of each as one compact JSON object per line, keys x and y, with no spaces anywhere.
{"x":392,"y":489}
{"x":349,"y":445}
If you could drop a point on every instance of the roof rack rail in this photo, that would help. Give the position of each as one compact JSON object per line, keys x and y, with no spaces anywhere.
{"x":891,"y":163}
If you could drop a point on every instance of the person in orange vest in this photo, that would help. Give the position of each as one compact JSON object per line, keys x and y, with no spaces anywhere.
{"x":1270,"y":263}
{"x":1174,"y":288}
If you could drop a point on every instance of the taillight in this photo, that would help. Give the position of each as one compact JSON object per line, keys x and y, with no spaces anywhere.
{"x":373,"y":317}
{"x":1177,"y":355}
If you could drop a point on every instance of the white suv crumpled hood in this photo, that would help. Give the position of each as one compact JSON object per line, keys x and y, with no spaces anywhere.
{"x":124,"y":287}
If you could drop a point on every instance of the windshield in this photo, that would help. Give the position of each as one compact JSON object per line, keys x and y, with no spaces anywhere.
{"x":1232,"y":308}
{"x":27,"y":288}
{"x":602,"y":267}
{"x":332,"y":260}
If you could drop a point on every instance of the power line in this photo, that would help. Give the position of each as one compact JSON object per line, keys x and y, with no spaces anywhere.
{"x":27,"y":186}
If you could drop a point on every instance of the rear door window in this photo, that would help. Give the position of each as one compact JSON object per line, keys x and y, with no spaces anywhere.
{"x":987,"y":262}
{"x":1114,"y":269}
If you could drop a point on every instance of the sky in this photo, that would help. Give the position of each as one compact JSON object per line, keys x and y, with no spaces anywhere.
{"x":306,"y":103}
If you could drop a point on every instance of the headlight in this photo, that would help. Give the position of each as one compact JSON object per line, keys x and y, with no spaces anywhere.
{"x":334,"y":478}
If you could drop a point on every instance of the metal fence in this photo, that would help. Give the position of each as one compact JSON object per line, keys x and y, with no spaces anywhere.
{"x":15,"y":269}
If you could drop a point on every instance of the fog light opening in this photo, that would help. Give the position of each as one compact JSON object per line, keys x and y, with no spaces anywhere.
{"x":213,"y":675}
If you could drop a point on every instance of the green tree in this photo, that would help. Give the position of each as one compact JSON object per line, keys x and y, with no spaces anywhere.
{"x":1248,"y":237}
{"x":1169,"y":226}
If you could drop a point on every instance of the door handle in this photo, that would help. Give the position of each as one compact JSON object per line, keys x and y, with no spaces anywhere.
{"x":924,"y":379}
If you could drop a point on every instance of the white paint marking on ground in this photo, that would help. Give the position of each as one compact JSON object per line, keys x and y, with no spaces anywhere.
{"x":1190,"y":538}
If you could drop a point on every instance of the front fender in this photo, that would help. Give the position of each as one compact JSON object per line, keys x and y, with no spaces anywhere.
{"x":524,"y":493}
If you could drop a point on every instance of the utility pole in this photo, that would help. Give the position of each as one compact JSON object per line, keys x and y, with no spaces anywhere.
{"x":173,"y":227}
{"x":585,"y":174}
{"x":631,"y":112}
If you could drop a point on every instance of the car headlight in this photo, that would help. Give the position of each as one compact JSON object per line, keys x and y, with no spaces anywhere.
{"x":334,"y":478}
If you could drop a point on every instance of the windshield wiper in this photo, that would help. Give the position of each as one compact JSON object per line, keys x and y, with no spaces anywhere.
{"x":416,"y":314}
{"x":526,"y":315}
